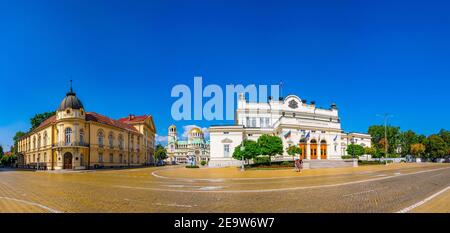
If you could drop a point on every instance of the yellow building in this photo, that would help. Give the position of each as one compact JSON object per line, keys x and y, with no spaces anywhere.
{"x":75,"y":139}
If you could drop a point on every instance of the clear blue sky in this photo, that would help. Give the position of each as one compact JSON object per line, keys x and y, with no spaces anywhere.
{"x":369,"y":57}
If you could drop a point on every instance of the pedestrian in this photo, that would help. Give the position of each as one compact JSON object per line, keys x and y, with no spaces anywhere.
{"x":300,"y":167}
{"x":297,"y":165}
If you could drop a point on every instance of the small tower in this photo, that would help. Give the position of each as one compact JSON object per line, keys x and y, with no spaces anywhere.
{"x":172,"y":139}
{"x":70,"y":106}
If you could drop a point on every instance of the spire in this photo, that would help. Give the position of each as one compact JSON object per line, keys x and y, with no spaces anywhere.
{"x":70,"y":90}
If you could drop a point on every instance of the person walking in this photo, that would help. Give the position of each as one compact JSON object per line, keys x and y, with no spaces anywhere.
{"x":297,"y":165}
{"x":300,"y":167}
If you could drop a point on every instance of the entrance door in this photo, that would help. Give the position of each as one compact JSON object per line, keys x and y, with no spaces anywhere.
{"x":303,"y":148}
{"x":67,"y":161}
{"x":323,"y":151}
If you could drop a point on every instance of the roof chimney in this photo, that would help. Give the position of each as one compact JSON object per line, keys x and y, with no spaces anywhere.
{"x":130,"y":117}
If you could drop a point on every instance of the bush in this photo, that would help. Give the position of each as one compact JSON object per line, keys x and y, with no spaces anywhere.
{"x":203,"y":162}
{"x":376,"y":162}
{"x":287,"y":164}
{"x":347,"y":157}
{"x":192,"y":166}
{"x":262,"y":160}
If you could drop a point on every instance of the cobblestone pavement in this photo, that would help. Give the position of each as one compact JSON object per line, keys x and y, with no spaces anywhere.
{"x":175,"y":189}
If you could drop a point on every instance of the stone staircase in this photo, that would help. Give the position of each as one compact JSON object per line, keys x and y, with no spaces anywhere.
{"x":314,"y":164}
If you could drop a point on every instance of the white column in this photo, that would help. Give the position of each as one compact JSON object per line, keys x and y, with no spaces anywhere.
{"x":318,"y":151}
{"x":308,"y":151}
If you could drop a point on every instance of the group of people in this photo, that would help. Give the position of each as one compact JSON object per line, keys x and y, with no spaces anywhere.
{"x":298,"y":165}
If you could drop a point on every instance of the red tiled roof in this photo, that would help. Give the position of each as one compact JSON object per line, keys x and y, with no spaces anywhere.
{"x":47,"y":121}
{"x":92,"y":116}
{"x":134,"y":119}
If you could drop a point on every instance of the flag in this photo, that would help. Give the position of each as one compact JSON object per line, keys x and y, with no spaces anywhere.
{"x":308,"y":134}
{"x":288,"y":134}
{"x":335,"y":138}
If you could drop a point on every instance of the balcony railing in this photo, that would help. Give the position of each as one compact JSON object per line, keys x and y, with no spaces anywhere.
{"x":71,"y":144}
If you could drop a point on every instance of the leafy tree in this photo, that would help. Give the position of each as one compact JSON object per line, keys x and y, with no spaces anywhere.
{"x":270,"y":145}
{"x":435,"y":147}
{"x":39,"y":118}
{"x":370,"y":151}
{"x":393,"y":137}
{"x":8,"y":160}
{"x":408,"y":138}
{"x":160,"y":152}
{"x":1,"y":152}
{"x":417,"y":149}
{"x":355,"y":150}
{"x":294,"y":150}
{"x":251,"y":150}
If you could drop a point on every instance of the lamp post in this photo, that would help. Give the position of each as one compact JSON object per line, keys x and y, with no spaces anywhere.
{"x":242,"y":156}
{"x":386,"y":116}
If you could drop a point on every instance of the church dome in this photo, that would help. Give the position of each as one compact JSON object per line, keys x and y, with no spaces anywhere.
{"x":70,"y":101}
{"x":195,"y":131}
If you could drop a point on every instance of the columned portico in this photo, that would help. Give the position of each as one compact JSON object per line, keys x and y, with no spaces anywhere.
{"x":317,"y":131}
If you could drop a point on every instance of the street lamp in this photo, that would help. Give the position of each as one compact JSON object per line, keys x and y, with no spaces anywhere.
{"x":386,"y":117}
{"x":242,"y":156}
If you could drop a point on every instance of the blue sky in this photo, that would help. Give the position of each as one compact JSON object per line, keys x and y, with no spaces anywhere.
{"x":370,"y":57}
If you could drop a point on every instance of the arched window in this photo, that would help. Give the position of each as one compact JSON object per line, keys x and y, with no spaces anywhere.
{"x":68,"y":136}
{"x":100,"y":138}
{"x":131,"y":143}
{"x":34,"y":143}
{"x":81,"y":136}
{"x":39,"y":141}
{"x":120,"y":141}
{"x":111,"y":140}
{"x":45,"y":138}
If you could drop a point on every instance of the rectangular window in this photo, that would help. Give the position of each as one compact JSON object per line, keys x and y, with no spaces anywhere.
{"x":226,"y":150}
{"x":111,"y":158}
{"x":267,"y":122}
{"x":253,"y":122}
{"x":100,"y":158}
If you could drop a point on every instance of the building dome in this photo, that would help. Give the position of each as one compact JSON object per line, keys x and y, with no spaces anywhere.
{"x":195,"y":131}
{"x":70,"y":101}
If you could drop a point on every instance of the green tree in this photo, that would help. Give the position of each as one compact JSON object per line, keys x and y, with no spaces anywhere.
{"x":417,"y":149}
{"x":1,"y":152}
{"x":251,"y":150}
{"x":435,"y":147}
{"x":39,"y":118}
{"x":160,"y":152}
{"x":270,"y":145}
{"x":355,"y":150}
{"x":377,"y":134}
{"x":371,"y":151}
{"x":408,"y":138}
{"x":293,"y":151}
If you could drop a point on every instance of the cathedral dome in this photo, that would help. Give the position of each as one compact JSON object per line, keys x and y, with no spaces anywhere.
{"x":70,"y":101}
{"x":195,"y":131}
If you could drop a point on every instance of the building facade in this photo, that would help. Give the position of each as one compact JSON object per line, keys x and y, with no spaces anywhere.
{"x":182,"y":151}
{"x":75,"y":139}
{"x":316,"y":131}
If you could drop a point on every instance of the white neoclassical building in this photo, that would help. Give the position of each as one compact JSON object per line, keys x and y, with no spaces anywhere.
{"x":316,"y":131}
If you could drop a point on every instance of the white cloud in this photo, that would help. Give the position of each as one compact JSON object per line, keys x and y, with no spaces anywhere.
{"x":161,"y":139}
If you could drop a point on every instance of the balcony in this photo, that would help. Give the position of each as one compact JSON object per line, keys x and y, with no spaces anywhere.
{"x":72,"y":144}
